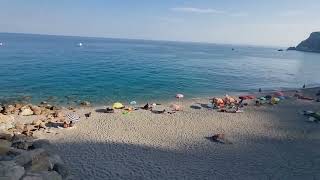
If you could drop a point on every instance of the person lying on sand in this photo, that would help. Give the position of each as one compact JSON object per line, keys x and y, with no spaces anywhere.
{"x":299,"y":96}
{"x":147,"y":107}
{"x":66,"y":125}
{"x":109,"y":110}
{"x":220,"y":138}
{"x":158,"y":112}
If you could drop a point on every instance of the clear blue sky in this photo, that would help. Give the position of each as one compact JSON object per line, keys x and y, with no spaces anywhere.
{"x":259,"y":22}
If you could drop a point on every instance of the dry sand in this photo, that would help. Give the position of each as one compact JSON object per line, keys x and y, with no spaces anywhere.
{"x":268,"y":142}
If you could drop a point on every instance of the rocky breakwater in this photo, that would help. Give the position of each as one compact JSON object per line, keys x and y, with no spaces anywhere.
{"x":22,"y":155}
{"x":45,"y":115}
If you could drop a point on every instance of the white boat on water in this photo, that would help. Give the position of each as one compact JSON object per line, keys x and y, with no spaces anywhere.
{"x":1,"y":44}
{"x":80,"y":44}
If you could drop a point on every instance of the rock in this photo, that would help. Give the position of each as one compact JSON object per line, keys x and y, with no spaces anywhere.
{"x":36,"y":110}
{"x":45,"y":111}
{"x":29,"y":127}
{"x":6,"y":157}
{"x":6,"y":118}
{"x":54,"y":108}
{"x":42,"y":125}
{"x":36,"y":122}
{"x":58,"y":114}
{"x":85,"y":103}
{"x":49,"y":117}
{"x":6,"y":136}
{"x":26,"y":112}
{"x":5,"y":146}
{"x":62,"y":169}
{"x":41,"y":143}
{"x":16,"y":152}
{"x":312,"y":44}
{"x":6,"y":122}
{"x":45,"y":175}
{"x":48,"y":106}
{"x":18,"y":106}
{"x":27,"y":157}
{"x":10,"y":171}
{"x":19,"y":127}
{"x":55,"y":159}
{"x":10,"y":109}
{"x":21,"y":141}
{"x":41,"y":163}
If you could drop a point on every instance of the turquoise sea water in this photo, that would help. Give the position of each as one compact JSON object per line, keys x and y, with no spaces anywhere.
{"x":106,"y":70}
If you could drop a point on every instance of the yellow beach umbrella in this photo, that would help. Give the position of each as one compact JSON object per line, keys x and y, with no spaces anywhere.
{"x":117,"y":105}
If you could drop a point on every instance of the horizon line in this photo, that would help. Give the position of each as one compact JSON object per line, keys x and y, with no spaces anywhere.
{"x":138,"y":39}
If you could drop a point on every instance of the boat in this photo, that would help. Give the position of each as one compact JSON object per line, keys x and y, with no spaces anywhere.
{"x":80,"y":44}
{"x":1,"y":44}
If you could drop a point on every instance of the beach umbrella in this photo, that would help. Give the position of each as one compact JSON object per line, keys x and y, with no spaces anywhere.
{"x":278,"y":94}
{"x":179,"y":96}
{"x":73,"y":117}
{"x":275,"y":100}
{"x":117,"y":105}
{"x":247,"y":97}
{"x":133,"y":103}
{"x":262,"y":98}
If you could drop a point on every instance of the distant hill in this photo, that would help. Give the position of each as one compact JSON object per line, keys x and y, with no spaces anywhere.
{"x":312,"y":44}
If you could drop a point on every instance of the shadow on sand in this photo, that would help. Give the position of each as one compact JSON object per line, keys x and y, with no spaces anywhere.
{"x":112,"y":160}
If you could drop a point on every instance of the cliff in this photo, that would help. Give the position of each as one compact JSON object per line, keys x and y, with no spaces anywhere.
{"x":312,"y":44}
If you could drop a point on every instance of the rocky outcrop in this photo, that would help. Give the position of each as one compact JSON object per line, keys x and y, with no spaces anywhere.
{"x":10,"y":170}
{"x":22,"y":157}
{"x":29,"y":163}
{"x":312,"y":44}
{"x":291,"y":49}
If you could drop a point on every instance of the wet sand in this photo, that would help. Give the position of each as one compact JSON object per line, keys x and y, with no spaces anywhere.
{"x":268,"y":142}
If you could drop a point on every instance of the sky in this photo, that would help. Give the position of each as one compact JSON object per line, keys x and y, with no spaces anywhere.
{"x":254,"y":22}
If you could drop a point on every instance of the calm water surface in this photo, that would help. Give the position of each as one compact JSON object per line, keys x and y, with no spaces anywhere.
{"x":106,"y":70}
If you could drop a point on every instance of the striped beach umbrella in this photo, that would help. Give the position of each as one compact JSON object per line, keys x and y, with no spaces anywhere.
{"x":73,"y":117}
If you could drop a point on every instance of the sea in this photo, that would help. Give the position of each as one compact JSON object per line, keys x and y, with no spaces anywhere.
{"x":102,"y":70}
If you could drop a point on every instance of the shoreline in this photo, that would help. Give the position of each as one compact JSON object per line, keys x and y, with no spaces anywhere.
{"x":76,"y":102}
{"x":266,"y":142}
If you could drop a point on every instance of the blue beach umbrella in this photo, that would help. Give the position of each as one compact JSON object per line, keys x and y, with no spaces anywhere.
{"x":133,"y":103}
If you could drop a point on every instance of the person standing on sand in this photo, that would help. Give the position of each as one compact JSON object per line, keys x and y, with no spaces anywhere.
{"x":304,"y":86}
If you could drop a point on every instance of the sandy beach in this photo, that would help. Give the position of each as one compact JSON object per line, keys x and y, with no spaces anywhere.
{"x":268,"y":142}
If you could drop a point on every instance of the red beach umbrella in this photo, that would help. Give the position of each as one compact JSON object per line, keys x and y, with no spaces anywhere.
{"x":278,"y":94}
